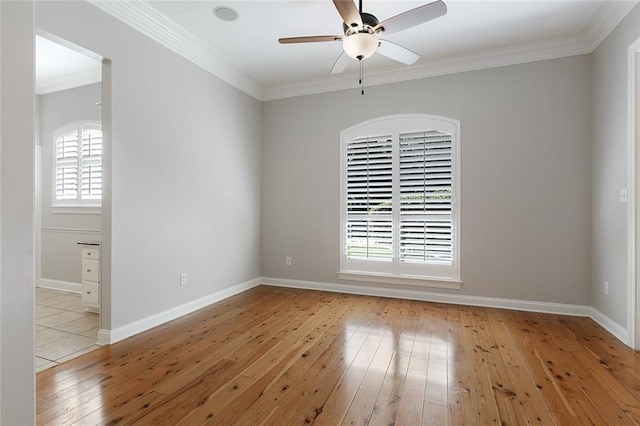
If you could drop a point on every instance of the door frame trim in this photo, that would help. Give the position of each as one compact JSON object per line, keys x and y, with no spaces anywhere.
{"x":633,"y":185}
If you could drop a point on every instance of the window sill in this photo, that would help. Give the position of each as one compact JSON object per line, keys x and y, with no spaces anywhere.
{"x":432,"y":282}
{"x":76,"y":209}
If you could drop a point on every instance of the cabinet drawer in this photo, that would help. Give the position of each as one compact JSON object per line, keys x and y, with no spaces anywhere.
{"x":90,"y":294}
{"x":91,"y":253}
{"x":90,"y":270}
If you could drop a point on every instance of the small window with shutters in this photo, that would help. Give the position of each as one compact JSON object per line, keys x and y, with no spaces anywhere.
{"x":400,"y":201}
{"x":77,"y":171}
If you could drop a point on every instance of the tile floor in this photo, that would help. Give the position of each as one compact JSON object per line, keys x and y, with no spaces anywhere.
{"x":64,"y":330}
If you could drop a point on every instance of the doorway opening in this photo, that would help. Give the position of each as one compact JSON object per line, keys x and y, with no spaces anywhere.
{"x":68,"y":199}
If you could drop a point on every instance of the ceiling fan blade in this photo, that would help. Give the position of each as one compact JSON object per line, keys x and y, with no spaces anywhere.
{"x":309,"y":39}
{"x":341,"y":63}
{"x":397,"y":52}
{"x":349,"y":13}
{"x":413,"y":17}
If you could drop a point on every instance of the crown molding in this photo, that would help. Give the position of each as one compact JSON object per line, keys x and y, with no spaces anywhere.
{"x":511,"y":55}
{"x":608,"y":16}
{"x":142,"y":17}
{"x":605,"y":20}
{"x":68,"y":81}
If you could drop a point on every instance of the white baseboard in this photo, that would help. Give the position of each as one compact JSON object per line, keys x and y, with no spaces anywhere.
{"x":601,"y":319}
{"x":426,"y":296}
{"x":104,"y":337}
{"x":610,"y":325}
{"x":107,"y":337}
{"x":60,"y":285}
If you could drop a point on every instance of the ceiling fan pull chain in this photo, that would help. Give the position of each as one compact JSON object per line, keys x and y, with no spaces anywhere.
{"x":361,"y":77}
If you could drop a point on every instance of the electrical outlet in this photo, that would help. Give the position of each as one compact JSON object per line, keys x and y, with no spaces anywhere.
{"x":183,"y":278}
{"x":287,"y":261}
{"x":624,"y":196}
{"x":606,"y":288}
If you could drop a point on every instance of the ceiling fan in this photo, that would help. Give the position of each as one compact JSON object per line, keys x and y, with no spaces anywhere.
{"x":362,"y":32}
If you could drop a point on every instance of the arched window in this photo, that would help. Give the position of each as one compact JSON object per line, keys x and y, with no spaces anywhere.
{"x":400,"y":203}
{"x":77,"y":171}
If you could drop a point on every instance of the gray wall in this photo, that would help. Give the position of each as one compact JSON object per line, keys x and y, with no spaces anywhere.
{"x":186,"y":176}
{"x":17,"y":354}
{"x":525,"y":176}
{"x":185,"y":169}
{"x":60,"y":255}
{"x":609,"y":133}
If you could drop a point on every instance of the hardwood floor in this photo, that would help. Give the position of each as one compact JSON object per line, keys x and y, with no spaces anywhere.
{"x":280,"y":356}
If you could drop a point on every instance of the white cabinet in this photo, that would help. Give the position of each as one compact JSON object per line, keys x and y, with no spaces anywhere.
{"x":90,"y":275}
{"x":90,"y":270}
{"x":90,"y":295}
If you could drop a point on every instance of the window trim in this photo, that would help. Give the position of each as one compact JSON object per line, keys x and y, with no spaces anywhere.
{"x":396,"y":124}
{"x":77,"y":209}
{"x":420,"y":281}
{"x":72,"y":206}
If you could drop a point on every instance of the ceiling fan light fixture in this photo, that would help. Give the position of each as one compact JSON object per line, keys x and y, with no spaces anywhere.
{"x":360,"y":45}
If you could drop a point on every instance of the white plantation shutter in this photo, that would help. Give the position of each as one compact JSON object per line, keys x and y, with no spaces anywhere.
{"x":91,"y":163}
{"x":66,"y":170}
{"x":425,"y":197}
{"x":399,"y":198}
{"x":78,"y":164}
{"x":369,"y":198}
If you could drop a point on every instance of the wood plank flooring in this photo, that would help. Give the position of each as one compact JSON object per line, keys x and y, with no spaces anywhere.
{"x":276,"y":356}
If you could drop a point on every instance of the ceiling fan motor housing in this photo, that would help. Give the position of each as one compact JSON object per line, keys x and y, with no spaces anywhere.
{"x":369,"y":22}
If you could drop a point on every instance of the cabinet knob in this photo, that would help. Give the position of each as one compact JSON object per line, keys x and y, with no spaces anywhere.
{"x":88,"y":292}
{"x":88,"y":253}
{"x":88,"y":270}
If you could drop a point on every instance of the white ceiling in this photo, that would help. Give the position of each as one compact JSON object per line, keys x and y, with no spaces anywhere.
{"x":469,"y":28}
{"x":475,"y":34}
{"x":250,"y":43}
{"x":60,"y":68}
